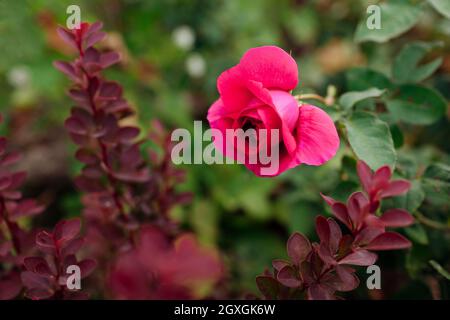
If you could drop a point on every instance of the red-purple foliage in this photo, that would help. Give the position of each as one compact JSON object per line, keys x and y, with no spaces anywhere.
{"x":46,"y":276}
{"x":127,"y":196}
{"x":15,"y":242}
{"x":119,"y":188}
{"x":319,"y":270}
{"x":158,"y":268}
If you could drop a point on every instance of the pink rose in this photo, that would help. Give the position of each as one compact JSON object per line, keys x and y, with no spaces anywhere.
{"x":256,"y":94}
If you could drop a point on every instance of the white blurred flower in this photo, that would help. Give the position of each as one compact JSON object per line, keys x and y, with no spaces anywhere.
{"x":19,"y":76}
{"x":184,"y":37}
{"x":195,"y":65}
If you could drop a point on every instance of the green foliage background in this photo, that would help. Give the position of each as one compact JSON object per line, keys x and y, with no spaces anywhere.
{"x":391,"y":106}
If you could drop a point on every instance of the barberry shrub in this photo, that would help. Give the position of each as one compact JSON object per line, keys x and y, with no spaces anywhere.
{"x":128,"y":193}
{"x":357,"y":228}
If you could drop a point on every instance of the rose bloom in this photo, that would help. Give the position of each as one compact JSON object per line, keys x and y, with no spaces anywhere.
{"x":256,"y":94}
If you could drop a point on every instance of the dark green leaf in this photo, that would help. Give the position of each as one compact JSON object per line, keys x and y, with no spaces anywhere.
{"x":396,"y":18}
{"x":349,"y":99}
{"x":441,"y":6}
{"x":360,"y":79}
{"x":417,"y":104}
{"x":406,"y":66}
{"x":371,"y":140}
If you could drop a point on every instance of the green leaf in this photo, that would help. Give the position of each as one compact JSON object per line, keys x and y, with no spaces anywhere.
{"x":438,"y":171}
{"x":417,"y":233}
{"x":436,"y":182}
{"x":417,"y":104}
{"x":440,"y":269}
{"x":396,"y":18}
{"x":371,"y":139}
{"x":441,"y":6}
{"x":360,"y":79}
{"x":414,"y":198}
{"x":406,"y":65}
{"x":349,"y":99}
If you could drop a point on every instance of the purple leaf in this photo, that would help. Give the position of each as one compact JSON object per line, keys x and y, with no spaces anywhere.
{"x":45,"y":243}
{"x":94,"y":38}
{"x":109,"y":58}
{"x":323,"y":229}
{"x":364,"y":174}
{"x":288,"y":278}
{"x":320,"y":292}
{"x":298,"y":248}
{"x":87,"y":157}
{"x":5,"y":182}
{"x":66,"y":68}
{"x":72,"y":246}
{"x":10,"y":159}
{"x":67,"y":36}
{"x":67,"y":229}
{"x":389,"y":241}
{"x":128,"y":133}
{"x":10,"y":286}
{"x":397,"y":218}
{"x":74,"y":125}
{"x":396,"y":188}
{"x":341,"y":213}
{"x":360,"y":258}
{"x":279,"y":264}
{"x":268,"y":286}
{"x":86,"y":267}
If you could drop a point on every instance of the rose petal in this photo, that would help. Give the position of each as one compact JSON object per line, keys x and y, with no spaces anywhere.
{"x":270,"y":65}
{"x":317,"y":137}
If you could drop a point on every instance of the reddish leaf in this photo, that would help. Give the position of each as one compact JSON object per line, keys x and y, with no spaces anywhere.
{"x":323,"y":229}
{"x":320,"y":292}
{"x":86,"y":267}
{"x":360,"y":258}
{"x":298,"y":248}
{"x":74,"y":125}
{"x":287,"y":277}
{"x":279,"y":264}
{"x":67,"y":229}
{"x":341,"y":213}
{"x":67,"y":36}
{"x":268,"y":286}
{"x":397,"y":218}
{"x":5,"y":182}
{"x":128,"y":133}
{"x":94,"y":38}
{"x":389,"y":241}
{"x":365,"y":175}
{"x":395,"y":188}
{"x":44,"y":242}
{"x":109,"y":58}
{"x":10,"y":159}
{"x":10,"y":286}
{"x":66,"y":68}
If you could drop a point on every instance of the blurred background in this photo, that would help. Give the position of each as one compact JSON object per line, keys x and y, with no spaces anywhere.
{"x":172,"y":53}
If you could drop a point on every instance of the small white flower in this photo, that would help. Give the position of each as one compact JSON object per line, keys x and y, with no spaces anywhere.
{"x":195,"y":65}
{"x":19,"y":76}
{"x":184,"y":37}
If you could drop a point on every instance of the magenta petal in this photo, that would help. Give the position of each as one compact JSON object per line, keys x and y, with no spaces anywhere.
{"x":317,"y":137}
{"x":286,"y":106}
{"x":233,"y":90}
{"x":270,"y":65}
